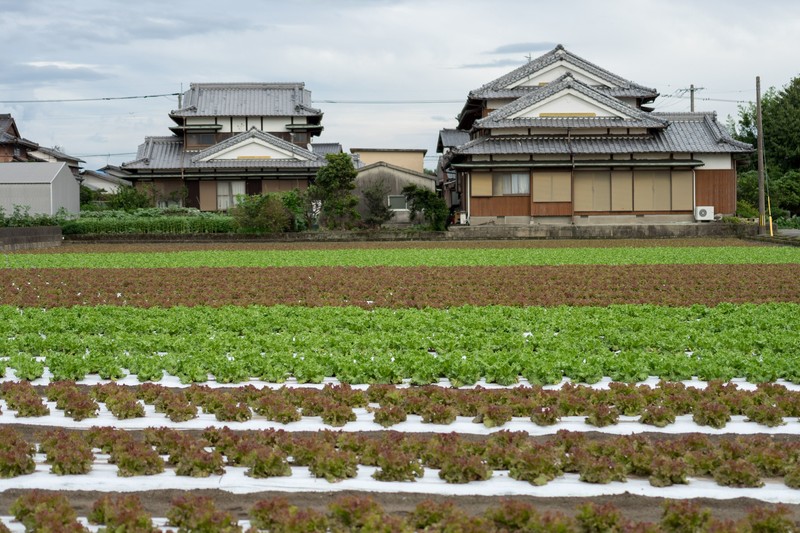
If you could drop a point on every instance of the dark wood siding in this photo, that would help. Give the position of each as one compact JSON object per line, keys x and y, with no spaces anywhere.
{"x":717,"y":188}
{"x":551,"y":209}
{"x":252,"y":187}
{"x":193,"y":194}
{"x":501,"y":206}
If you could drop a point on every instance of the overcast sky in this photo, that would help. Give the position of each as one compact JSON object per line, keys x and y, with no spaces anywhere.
{"x":427,"y":54}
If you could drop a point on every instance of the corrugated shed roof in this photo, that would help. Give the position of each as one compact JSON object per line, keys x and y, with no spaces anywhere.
{"x":695,"y":133}
{"x":634,"y":118}
{"x":558,"y":54}
{"x":246,"y":99}
{"x":29,"y":173}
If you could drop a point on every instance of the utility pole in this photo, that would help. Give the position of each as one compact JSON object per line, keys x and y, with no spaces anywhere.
{"x":762,"y":226}
{"x":692,"y":90}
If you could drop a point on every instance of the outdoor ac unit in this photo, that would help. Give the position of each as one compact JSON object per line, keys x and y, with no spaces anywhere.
{"x":704,"y":212}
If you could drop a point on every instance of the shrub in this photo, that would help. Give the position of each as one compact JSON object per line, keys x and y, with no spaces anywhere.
{"x":377,"y":208}
{"x":433,"y":208}
{"x":261,"y":213}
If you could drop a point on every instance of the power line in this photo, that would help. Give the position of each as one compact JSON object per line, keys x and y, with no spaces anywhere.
{"x":387,"y":101}
{"x":106,"y":98}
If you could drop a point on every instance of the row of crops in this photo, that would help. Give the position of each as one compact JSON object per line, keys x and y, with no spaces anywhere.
{"x":258,"y":331}
{"x":465,"y":344}
{"x":713,"y":406}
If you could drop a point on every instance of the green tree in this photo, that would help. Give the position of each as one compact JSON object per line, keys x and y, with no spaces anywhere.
{"x":433,"y":208}
{"x":130,"y":198}
{"x":375,"y":201}
{"x":333,"y":189}
{"x":781,"y":122}
{"x":261,"y":213}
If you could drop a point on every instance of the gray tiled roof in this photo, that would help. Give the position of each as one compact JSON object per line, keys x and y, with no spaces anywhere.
{"x":326,"y":148}
{"x":635,"y":118}
{"x":560,"y":54}
{"x":166,"y":153}
{"x":246,"y":99}
{"x":449,"y":138}
{"x":686,"y":133}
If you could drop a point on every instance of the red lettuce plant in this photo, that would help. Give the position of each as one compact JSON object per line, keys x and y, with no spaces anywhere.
{"x":198,"y":513}
{"x":122,"y":512}
{"x":16,"y":455}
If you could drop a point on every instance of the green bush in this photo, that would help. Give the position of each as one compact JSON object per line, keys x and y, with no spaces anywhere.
{"x":173,"y":220}
{"x":261,"y":213}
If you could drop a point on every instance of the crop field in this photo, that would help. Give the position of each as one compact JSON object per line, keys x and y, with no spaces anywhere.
{"x":482,"y":386}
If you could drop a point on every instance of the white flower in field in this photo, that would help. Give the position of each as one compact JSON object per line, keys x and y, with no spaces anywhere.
{"x":527,"y":334}
{"x":392,"y":359}
{"x":370,"y":302}
{"x":119,"y":294}
{"x":372,"y":358}
{"x":463,"y":357}
{"x":42,"y":335}
{"x":555,"y":334}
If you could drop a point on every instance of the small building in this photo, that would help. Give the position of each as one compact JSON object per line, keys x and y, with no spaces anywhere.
{"x":43,"y":187}
{"x":14,"y":147}
{"x":412,"y":158}
{"x":99,"y":181}
{"x":394,"y":179}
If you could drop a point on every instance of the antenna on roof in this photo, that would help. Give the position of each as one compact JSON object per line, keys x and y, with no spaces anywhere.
{"x":180,"y":96}
{"x":529,"y":57}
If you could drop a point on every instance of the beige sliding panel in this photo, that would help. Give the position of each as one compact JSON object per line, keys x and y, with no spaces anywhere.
{"x":208,"y":196}
{"x":551,"y":186}
{"x":643,"y":190}
{"x":481,"y":184}
{"x":622,"y":190}
{"x":593,"y":190}
{"x":583,"y":192}
{"x":682,"y":197}
{"x":662,"y":190}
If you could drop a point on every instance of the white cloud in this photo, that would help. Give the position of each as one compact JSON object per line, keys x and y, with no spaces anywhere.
{"x":364,"y":50}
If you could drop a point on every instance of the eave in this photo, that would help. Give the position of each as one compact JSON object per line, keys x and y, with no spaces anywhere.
{"x":586,"y":163}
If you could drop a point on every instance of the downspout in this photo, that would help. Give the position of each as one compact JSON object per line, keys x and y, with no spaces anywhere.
{"x":571,"y":174}
{"x":468,"y":182}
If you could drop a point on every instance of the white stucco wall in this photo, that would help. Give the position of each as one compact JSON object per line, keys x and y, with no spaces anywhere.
{"x":715,"y":161}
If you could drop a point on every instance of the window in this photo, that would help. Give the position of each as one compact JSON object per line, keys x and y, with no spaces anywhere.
{"x":510,"y":183}
{"x":397,"y":202}
{"x":199,"y":140}
{"x":227,"y":191}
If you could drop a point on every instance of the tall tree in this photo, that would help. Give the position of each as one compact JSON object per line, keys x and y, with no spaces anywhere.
{"x":781,"y":121}
{"x":333,"y":189}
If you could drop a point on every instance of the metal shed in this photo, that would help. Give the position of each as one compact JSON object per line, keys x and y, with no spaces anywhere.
{"x":43,"y":187}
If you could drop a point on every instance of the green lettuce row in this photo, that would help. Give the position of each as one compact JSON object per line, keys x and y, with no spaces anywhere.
{"x":414,"y":257}
{"x":626,"y":342}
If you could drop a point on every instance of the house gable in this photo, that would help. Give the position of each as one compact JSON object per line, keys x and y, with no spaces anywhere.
{"x":254,"y":145}
{"x":556,"y":70}
{"x":568,"y":103}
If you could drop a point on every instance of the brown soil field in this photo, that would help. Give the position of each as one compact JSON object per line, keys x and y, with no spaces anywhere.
{"x":81,"y":247}
{"x":397,"y":287}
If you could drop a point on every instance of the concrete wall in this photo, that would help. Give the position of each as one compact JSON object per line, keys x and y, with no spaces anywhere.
{"x":66,"y":192}
{"x":27,"y":238}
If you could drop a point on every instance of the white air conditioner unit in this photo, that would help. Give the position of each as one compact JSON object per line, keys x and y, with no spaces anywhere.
{"x":704,"y":212}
